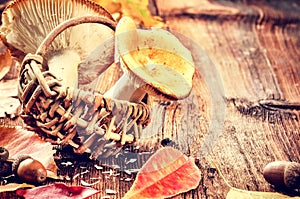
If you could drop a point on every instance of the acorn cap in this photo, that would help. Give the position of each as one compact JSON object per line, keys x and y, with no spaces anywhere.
{"x":283,"y":174}
{"x":292,"y":175}
{"x":5,"y":169}
{"x":4,"y":154}
{"x":29,"y":170}
{"x":155,"y":59}
{"x":17,"y":161}
{"x":26,"y":23}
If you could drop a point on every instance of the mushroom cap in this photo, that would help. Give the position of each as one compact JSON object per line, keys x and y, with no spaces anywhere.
{"x":26,"y":23}
{"x":156,"y":58}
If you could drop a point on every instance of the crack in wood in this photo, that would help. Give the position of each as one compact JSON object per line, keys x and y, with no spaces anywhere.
{"x":270,"y":110}
{"x":252,"y":19}
{"x":277,"y":104}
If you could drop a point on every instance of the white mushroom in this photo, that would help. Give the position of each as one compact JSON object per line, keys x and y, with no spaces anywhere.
{"x":154,"y":61}
{"x":26,"y":23}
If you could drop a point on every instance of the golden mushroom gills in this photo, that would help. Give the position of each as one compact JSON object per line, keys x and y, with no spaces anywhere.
{"x":154,"y":61}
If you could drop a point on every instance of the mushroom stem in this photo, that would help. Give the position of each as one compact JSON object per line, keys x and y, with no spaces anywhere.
{"x":126,"y":89}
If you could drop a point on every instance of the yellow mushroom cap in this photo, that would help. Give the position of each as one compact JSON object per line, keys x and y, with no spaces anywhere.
{"x":156,"y":58}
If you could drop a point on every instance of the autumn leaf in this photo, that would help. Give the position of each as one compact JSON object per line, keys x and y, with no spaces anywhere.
{"x":8,"y":97}
{"x":235,"y":193}
{"x":242,"y":194}
{"x":57,"y":190}
{"x":136,"y":9}
{"x":8,"y":105}
{"x":167,"y":173}
{"x":21,"y":142}
{"x":5,"y":60}
{"x":14,"y":186}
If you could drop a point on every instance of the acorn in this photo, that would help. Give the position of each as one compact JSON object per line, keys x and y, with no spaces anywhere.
{"x":283,"y":174}
{"x":29,"y":170}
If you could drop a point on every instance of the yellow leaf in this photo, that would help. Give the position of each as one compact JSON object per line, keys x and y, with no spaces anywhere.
{"x":235,"y":193}
{"x":14,"y":186}
{"x":243,"y":194}
{"x":136,"y":9}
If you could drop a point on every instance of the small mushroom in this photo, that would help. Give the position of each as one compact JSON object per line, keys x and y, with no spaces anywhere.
{"x":26,"y":23}
{"x":283,"y":174}
{"x":29,"y":170}
{"x":154,"y":62}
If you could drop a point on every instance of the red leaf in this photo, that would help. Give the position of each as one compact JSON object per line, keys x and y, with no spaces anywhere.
{"x":167,"y":173}
{"x":23,"y":142}
{"x":57,"y":190}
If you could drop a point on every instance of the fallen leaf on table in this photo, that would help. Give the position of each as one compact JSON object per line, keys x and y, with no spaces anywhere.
{"x":167,"y":173}
{"x":138,"y":10}
{"x":235,"y":193}
{"x":8,"y":105}
{"x":8,"y":93}
{"x":24,"y":142}
{"x":5,"y":60}
{"x":243,"y":194}
{"x":14,"y":186}
{"x":57,"y":190}
{"x":9,"y":88}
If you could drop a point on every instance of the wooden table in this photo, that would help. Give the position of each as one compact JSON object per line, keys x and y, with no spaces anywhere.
{"x":244,"y":108}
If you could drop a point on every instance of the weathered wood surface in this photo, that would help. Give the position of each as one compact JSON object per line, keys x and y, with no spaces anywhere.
{"x":252,"y":48}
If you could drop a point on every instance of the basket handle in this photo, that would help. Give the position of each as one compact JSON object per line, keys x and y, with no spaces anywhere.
{"x":42,"y":49}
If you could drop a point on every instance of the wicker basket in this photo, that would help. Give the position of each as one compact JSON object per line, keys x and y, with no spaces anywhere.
{"x":85,"y":120}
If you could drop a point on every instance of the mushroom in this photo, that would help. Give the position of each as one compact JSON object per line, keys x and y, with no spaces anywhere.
{"x":26,"y":23}
{"x":154,"y":61}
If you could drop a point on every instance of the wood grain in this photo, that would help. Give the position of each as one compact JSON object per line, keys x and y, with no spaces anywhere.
{"x":255,"y":51}
{"x":250,"y":49}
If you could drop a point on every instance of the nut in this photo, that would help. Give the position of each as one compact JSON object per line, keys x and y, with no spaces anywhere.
{"x":29,"y":170}
{"x":283,"y":174}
